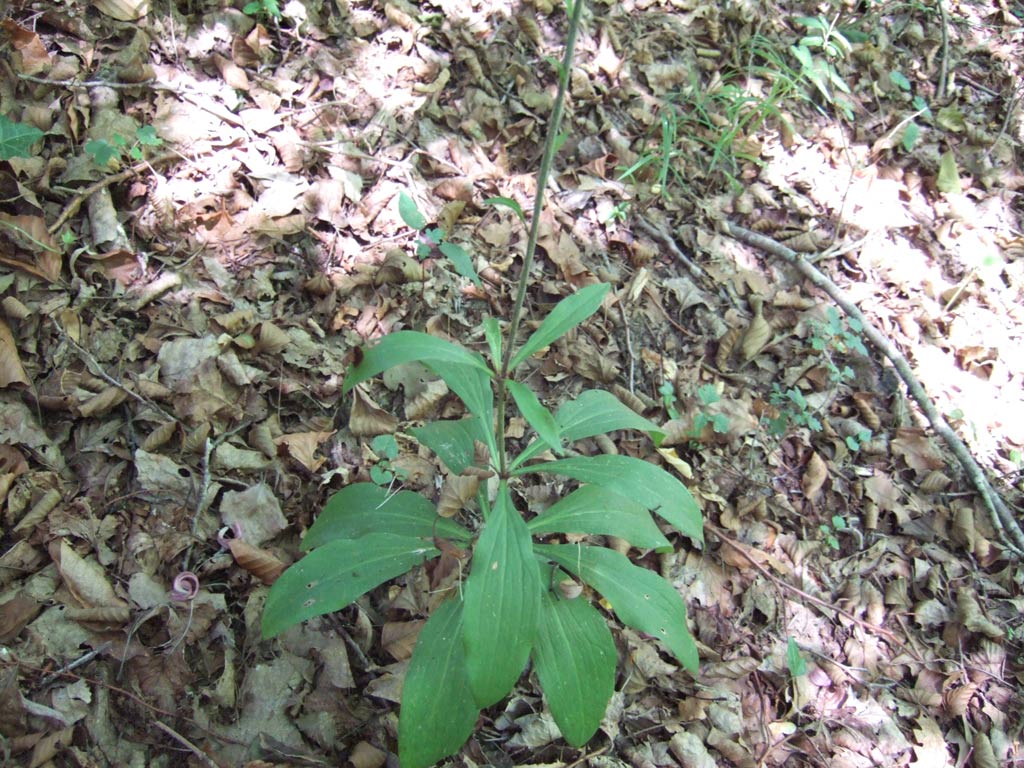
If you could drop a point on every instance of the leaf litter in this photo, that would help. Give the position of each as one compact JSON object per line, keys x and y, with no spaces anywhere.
{"x":177,"y":325}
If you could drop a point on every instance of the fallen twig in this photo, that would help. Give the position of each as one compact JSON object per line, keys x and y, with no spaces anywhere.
{"x":1001,"y":517}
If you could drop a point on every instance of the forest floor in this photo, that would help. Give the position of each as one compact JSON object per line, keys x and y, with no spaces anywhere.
{"x":207,"y":228}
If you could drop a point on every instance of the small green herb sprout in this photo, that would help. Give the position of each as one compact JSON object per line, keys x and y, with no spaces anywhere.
{"x":383,"y":473}
{"x":103,"y":152}
{"x":436,"y":238}
{"x":793,"y":410}
{"x":268,"y":9}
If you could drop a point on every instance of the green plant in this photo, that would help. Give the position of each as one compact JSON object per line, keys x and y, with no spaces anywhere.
{"x":817,"y":52}
{"x":507,"y":613}
{"x":103,"y":151}
{"x":793,"y":410}
{"x":707,"y":395}
{"x":837,"y":337}
{"x":267,"y":9}
{"x":830,"y":532}
{"x":16,"y":139}
{"x":435,"y":238}
{"x":385,"y":447}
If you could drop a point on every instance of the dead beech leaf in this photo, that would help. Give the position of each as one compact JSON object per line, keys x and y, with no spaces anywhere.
{"x":123,"y":10}
{"x":398,"y":638}
{"x":426,"y":402}
{"x":29,"y":234}
{"x":11,"y":370}
{"x":815,"y":475}
{"x":970,"y":615}
{"x":302,"y":446}
{"x":368,"y":419}
{"x":84,"y":579}
{"x":260,"y":563}
{"x":30,"y":54}
{"x":759,"y":331}
{"x":234,"y":76}
{"x":456,"y":493}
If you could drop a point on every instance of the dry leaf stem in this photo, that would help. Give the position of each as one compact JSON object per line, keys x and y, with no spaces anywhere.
{"x":1002,"y":518}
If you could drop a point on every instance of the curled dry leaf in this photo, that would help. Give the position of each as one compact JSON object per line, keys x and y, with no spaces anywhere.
{"x":970,"y":615}
{"x":302,"y":446}
{"x":84,"y":579}
{"x":368,"y":419}
{"x":123,"y":10}
{"x":11,"y":371}
{"x":272,"y":339}
{"x":964,"y":530}
{"x":160,"y":436}
{"x":759,"y":331}
{"x":108,"y":615}
{"x":425,"y":403}
{"x":260,"y":563}
{"x":456,"y":492}
{"x":935,"y":482}
{"x":863,"y":402}
{"x":815,"y":475}
{"x":956,"y":700}
{"x":570,"y":589}
{"x":726,"y":345}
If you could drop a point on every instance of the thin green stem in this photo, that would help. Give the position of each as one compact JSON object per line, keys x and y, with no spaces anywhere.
{"x":551,"y":144}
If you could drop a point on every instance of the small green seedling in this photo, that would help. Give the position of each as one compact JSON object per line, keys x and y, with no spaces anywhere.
{"x":436,"y":239}
{"x":668,"y":398}
{"x":829,"y":532}
{"x":383,"y":473}
{"x":835,"y":337}
{"x":708,"y":395}
{"x":103,"y":152}
{"x":794,"y":659}
{"x":267,"y":9}
{"x":793,"y":410}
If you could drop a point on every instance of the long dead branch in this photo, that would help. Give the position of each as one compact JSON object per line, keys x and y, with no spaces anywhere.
{"x":1002,"y":518}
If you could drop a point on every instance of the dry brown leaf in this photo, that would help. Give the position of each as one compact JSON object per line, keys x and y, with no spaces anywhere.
{"x":302,"y":447}
{"x":726,"y":345}
{"x":398,"y":638}
{"x":425,"y":403}
{"x":759,"y":331}
{"x":983,"y":756}
{"x":84,"y":579}
{"x":30,"y":54}
{"x":160,"y":436}
{"x":368,"y":419}
{"x":123,"y":10}
{"x":365,"y":755}
{"x":11,"y":371}
{"x":970,"y":615}
{"x":15,"y":614}
{"x":260,"y":563}
{"x":234,"y":76}
{"x":935,"y":482}
{"x":815,"y":475}
{"x":108,"y":615}
{"x":456,"y":492}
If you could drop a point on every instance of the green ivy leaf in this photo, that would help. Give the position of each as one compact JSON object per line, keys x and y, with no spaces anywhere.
{"x":596,"y":510}
{"x":502,"y":603}
{"x":360,"y":509}
{"x":575,"y":659}
{"x":642,"y":481}
{"x":16,"y":139}
{"x":410,"y":213}
{"x":332,"y":576}
{"x":462,"y":261}
{"x":438,"y":712}
{"x":146,"y":135}
{"x":639,"y":597}
{"x":536,"y":415}
{"x":567,"y":314}
{"x":899,"y":80}
{"x":102,"y":152}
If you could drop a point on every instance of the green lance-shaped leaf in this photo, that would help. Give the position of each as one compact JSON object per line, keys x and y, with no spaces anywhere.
{"x":639,"y":597}
{"x":595,"y":510}
{"x":411,"y":346}
{"x":647,"y":483}
{"x":509,"y":203}
{"x":473,"y":386}
{"x":461,"y":260}
{"x":410,"y":212}
{"x":502,"y":597}
{"x":575,"y":659}
{"x":438,"y":712}
{"x":452,"y":441}
{"x":332,"y":576}
{"x":363,"y":508}
{"x":536,"y":415}
{"x":594,"y":412}
{"x":492,"y":332}
{"x":567,"y":314}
